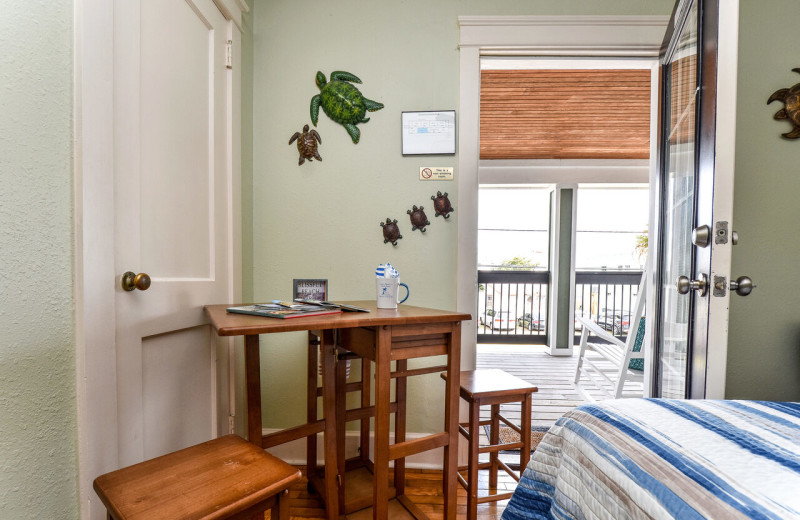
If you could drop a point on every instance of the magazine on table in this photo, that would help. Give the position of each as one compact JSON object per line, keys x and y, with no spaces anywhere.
{"x":332,"y":305}
{"x":278,"y":311}
{"x":295,"y":309}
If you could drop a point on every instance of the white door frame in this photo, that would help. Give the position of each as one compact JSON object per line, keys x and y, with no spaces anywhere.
{"x":94,"y":269}
{"x":533,"y":36}
{"x":589,"y":36}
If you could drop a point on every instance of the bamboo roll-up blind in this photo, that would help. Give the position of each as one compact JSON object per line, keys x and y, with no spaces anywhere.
{"x":565,"y":114}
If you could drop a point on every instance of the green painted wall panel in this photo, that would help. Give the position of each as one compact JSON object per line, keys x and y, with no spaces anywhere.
{"x":320,"y":220}
{"x":764,"y":332}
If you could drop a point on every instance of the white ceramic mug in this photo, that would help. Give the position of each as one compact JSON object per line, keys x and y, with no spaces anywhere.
{"x":387,"y":292}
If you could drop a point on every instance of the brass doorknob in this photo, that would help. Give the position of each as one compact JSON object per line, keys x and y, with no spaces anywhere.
{"x":131,"y":281}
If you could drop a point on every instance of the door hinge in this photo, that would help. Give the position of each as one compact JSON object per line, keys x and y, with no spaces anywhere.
{"x":229,"y":54}
{"x":231,"y":424}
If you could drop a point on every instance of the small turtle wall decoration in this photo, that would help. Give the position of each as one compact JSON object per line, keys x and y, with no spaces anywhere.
{"x":790,"y":97}
{"x":342,"y":102}
{"x":418,"y":218}
{"x":391,"y":233}
{"x":441,"y":204}
{"x":307,"y":144}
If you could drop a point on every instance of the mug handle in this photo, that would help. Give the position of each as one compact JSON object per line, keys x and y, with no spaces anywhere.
{"x":408,"y":292}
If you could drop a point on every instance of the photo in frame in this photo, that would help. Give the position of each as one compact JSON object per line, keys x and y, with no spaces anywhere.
{"x":308,"y":289}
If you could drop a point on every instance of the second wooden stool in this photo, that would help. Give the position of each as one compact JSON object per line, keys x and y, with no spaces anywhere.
{"x":222,"y":478}
{"x":493,"y":387}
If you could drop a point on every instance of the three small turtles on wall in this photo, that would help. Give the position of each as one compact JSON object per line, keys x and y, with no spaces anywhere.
{"x":441,"y":205}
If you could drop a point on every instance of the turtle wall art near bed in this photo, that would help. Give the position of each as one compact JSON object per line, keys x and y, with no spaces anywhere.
{"x":790,"y":97}
{"x":342,"y":102}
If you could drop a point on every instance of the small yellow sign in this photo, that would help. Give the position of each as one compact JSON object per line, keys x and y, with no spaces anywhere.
{"x":430,"y":173}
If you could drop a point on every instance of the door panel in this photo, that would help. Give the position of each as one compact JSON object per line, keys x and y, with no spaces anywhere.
{"x":678,"y":181}
{"x":687,"y":141}
{"x":188,"y":389}
{"x":172,"y":210}
{"x":177,"y":139}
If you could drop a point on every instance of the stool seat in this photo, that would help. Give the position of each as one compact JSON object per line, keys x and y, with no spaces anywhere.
{"x":477,"y":384}
{"x":492,"y":387}
{"x":226,"y":477}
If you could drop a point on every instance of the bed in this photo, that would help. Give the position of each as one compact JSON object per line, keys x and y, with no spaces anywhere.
{"x":662,"y":458}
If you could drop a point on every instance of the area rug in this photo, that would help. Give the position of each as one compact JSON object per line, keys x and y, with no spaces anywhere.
{"x":507,"y":435}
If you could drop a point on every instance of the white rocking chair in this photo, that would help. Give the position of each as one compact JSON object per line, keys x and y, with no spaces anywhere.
{"x":609,"y":364}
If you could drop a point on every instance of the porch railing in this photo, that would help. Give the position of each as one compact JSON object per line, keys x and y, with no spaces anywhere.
{"x":513,"y":305}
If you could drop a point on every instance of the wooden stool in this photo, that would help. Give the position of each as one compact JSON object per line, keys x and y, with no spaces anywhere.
{"x":223,"y":478}
{"x":493,"y":387}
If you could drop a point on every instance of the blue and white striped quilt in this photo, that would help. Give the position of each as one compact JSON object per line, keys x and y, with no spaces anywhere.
{"x":662,"y":458}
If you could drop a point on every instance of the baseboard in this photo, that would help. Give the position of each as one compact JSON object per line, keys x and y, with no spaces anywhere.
{"x":295,"y":452}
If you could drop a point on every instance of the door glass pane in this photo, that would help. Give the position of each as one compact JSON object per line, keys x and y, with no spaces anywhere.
{"x":678,"y":190}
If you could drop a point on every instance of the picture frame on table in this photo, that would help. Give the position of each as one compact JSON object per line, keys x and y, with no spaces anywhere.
{"x":310,"y":289}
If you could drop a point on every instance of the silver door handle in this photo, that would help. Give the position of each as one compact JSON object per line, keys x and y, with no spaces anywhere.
{"x":685,"y":285}
{"x":742,"y":285}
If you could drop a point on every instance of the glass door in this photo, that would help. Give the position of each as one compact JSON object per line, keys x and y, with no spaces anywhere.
{"x":686,"y":162}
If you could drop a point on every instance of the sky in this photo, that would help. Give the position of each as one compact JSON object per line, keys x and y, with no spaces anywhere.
{"x":513,"y":222}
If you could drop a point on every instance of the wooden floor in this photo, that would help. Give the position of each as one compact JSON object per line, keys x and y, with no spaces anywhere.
{"x":557,"y":394}
{"x":423,"y":487}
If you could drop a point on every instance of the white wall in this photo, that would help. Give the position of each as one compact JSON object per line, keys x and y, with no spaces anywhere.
{"x":38,"y":436}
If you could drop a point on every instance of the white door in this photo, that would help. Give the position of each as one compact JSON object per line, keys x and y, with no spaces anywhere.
{"x":696,"y":142}
{"x":172,"y":203}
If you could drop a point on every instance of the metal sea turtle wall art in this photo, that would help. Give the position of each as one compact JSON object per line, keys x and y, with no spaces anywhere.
{"x":418,"y":218}
{"x":342,"y":102}
{"x":307,"y":144}
{"x":391,"y":233}
{"x":790,"y":97}
{"x":441,"y":204}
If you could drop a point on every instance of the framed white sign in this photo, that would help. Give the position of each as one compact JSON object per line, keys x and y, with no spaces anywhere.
{"x":429,"y":133}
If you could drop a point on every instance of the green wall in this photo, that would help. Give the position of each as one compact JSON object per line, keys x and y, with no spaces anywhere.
{"x":764,"y":333}
{"x":320,"y":220}
{"x":38,"y":432}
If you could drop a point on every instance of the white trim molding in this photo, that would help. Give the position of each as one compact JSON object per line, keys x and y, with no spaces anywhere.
{"x":610,"y":36}
{"x":232,"y":10}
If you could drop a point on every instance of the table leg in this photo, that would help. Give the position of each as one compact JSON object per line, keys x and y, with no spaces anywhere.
{"x":332,"y":475}
{"x":451,"y":421}
{"x":252,"y":378}
{"x":341,"y":411}
{"x":525,"y":423}
{"x":383,"y":347}
{"x":401,"y":391}
{"x":493,"y":440}
{"x":365,"y":403}
{"x":311,"y":402}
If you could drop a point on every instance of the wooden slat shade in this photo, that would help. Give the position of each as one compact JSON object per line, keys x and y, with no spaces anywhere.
{"x":683,"y":82}
{"x":565,"y":114}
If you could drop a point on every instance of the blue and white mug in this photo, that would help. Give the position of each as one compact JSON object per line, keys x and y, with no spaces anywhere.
{"x":387,"y":292}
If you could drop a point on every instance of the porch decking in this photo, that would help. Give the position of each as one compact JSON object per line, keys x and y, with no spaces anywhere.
{"x":553,"y":375}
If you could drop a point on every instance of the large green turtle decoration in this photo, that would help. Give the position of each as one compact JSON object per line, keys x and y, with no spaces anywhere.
{"x":342,"y":102}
